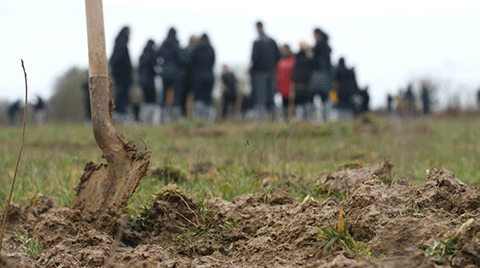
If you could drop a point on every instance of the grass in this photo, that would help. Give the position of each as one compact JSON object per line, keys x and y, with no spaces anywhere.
{"x":31,"y":246}
{"x":241,"y":156}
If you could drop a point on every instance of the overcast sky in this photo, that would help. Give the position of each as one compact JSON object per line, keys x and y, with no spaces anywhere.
{"x":388,"y":42}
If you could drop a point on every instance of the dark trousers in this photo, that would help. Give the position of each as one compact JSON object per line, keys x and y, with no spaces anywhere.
{"x":263,"y":89}
{"x":122,"y":98}
{"x":149,"y":93}
{"x":202,"y":88}
{"x":228,"y":99}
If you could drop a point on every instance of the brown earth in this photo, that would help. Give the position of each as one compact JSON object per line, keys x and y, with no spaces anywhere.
{"x":395,"y":224}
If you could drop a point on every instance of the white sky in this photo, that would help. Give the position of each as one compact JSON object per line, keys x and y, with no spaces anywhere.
{"x":388,"y":42}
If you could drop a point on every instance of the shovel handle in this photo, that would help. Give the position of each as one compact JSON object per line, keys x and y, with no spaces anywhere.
{"x":97,"y":54}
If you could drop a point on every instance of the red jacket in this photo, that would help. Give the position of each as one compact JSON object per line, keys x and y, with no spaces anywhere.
{"x":284,"y":75}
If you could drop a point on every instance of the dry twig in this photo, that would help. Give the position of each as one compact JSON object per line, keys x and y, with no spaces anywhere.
{"x":5,"y":213}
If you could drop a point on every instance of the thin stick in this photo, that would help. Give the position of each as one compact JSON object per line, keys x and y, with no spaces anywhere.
{"x":5,"y":213}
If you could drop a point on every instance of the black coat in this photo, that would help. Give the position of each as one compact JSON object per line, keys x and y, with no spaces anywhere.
{"x":146,"y":66}
{"x":230,"y":82}
{"x":170,"y":58}
{"x":265,"y":54}
{"x":347,"y":86}
{"x":203,"y":60}
{"x":120,"y":61}
{"x":321,"y":56}
{"x":301,"y":69}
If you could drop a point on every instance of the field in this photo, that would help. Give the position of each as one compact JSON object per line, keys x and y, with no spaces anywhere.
{"x":272,"y":195}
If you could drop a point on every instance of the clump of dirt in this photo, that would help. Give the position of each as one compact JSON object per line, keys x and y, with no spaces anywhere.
{"x":345,"y":180}
{"x":172,"y":214}
{"x":435,"y":224}
{"x":169,"y":174}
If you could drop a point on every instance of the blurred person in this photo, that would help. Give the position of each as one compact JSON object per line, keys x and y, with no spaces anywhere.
{"x":121,"y":68}
{"x":229,"y":86}
{"x":303,"y":99}
{"x":203,"y":79}
{"x":170,"y":60}
{"x":149,"y":110}
{"x":265,"y":55}
{"x":409,"y":99}
{"x":321,"y":76}
{"x":347,"y":88}
{"x":425,"y":98}
{"x":283,"y":76}
{"x":86,"y":99}
{"x":39,"y":111}
{"x":365,"y":101}
{"x":13,"y":110}
{"x":478,"y":100}
{"x":187,"y":85}
{"x":389,"y":104}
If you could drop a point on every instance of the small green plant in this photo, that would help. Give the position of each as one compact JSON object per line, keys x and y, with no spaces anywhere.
{"x":442,"y":249}
{"x":445,"y":249}
{"x":187,"y":238}
{"x":230,"y":225}
{"x":340,"y":234}
{"x":415,"y":211}
{"x":29,"y":245}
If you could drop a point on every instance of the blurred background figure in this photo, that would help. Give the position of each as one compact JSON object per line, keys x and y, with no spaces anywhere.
{"x":229,"y":86}
{"x":347,"y":88}
{"x":203,"y":79}
{"x":389,"y":104}
{"x":426,"y":100}
{"x":170,"y":60}
{"x":187,"y":84}
{"x":283,"y":76}
{"x":478,"y":100}
{"x":365,"y":98}
{"x":149,"y":110}
{"x":13,"y":110}
{"x":321,"y":76}
{"x":39,"y":111}
{"x":86,"y":100}
{"x":409,"y":99}
{"x":303,"y":99}
{"x":121,"y":69}
{"x":265,"y":55}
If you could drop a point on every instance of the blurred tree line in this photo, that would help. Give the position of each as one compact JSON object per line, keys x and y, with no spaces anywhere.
{"x":68,"y":101}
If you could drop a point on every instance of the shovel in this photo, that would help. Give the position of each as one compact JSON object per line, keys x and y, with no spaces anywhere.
{"x":104,"y":189}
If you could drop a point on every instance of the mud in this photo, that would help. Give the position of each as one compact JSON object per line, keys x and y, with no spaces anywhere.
{"x":397,"y":225}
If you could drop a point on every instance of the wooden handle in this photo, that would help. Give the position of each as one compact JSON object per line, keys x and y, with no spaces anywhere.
{"x":97,"y":54}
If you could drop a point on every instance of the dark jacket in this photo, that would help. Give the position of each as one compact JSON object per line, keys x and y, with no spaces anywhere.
{"x":347,"y":86}
{"x":301,"y":69}
{"x":230,"y":82}
{"x":265,"y":54}
{"x":146,"y":66}
{"x":321,"y":56}
{"x":169,"y":58}
{"x":120,"y":60}
{"x":203,"y":60}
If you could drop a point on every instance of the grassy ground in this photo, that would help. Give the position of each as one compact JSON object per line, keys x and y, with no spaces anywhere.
{"x":231,"y":159}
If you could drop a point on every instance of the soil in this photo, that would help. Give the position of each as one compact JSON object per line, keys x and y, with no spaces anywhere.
{"x":396,"y":224}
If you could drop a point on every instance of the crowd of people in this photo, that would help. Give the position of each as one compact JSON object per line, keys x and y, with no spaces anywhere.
{"x":404,"y":103}
{"x":297,"y":77}
{"x":182,"y":70}
{"x":284,"y":84}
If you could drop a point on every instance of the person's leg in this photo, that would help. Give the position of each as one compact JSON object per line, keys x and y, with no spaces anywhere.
{"x":270,"y":92}
{"x":121,"y":99}
{"x":260,"y":80}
